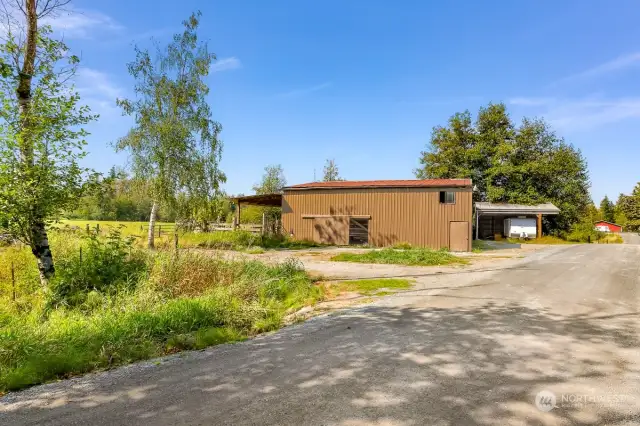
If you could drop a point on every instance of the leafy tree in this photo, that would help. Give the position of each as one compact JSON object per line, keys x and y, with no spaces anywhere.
{"x":273,"y":180}
{"x":525,"y":164}
{"x":607,"y":210}
{"x":331,"y":171}
{"x":41,"y":129}
{"x":629,"y":207}
{"x":174,"y":144}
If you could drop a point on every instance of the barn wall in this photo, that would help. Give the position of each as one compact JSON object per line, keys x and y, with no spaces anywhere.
{"x":413,"y":215}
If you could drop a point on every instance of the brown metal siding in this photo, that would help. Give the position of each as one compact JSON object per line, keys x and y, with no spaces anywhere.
{"x":413,"y":215}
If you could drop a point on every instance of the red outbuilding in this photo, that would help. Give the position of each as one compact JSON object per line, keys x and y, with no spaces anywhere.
{"x":604,"y":226}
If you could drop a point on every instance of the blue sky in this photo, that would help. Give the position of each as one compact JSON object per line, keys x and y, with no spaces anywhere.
{"x":364,"y":82}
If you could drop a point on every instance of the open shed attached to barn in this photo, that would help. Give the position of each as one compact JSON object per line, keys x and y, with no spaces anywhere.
{"x":511,"y":220}
{"x":432,"y":213}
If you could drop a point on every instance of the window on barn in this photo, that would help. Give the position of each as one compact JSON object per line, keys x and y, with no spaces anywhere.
{"x":447,"y":197}
{"x":358,"y":231}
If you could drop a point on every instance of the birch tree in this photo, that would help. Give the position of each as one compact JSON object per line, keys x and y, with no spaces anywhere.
{"x":330,"y":171}
{"x":174,"y":144}
{"x":41,"y":134}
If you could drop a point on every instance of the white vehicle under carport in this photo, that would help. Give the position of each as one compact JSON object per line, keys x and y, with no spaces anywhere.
{"x":496,"y":220}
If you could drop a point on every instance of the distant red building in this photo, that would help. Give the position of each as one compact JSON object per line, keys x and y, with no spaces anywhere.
{"x":605,"y":226}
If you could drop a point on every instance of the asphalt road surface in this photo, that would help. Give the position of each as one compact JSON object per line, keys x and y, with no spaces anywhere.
{"x":559,"y":327}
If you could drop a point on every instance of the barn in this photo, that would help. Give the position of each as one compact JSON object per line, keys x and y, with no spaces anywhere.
{"x":432,"y":213}
{"x":604,"y":226}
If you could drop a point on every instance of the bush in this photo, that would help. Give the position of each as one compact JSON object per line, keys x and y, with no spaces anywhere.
{"x":101,"y":266}
{"x":583,"y":232}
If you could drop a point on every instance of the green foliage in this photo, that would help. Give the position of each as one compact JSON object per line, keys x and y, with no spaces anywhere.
{"x":628,"y":209}
{"x":413,"y":257}
{"x":607,"y":210}
{"x":241,"y":240}
{"x":174,"y":144}
{"x":41,"y":139}
{"x":583,"y":232}
{"x":330,"y":172}
{"x":273,"y":180}
{"x":184,"y":301}
{"x":103,"y":265}
{"x":527,"y":164}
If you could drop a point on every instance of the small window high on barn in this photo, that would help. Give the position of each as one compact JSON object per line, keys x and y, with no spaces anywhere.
{"x":358,"y":231}
{"x":447,"y":197}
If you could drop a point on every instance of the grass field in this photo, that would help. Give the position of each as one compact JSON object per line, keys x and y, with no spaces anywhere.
{"x":112,"y":303}
{"x":221,"y":240}
{"x":410,"y":257}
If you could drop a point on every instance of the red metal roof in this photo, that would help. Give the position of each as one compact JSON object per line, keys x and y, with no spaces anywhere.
{"x":413,"y":183}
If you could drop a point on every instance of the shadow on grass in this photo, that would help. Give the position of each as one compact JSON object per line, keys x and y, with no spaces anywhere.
{"x":475,"y":365}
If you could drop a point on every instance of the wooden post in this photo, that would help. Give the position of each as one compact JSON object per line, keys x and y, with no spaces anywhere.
{"x":97,"y":228}
{"x":80,"y":254}
{"x":175,"y":240}
{"x":159,"y":230}
{"x":539,"y":226}
{"x":13,"y":281}
{"x":264,"y":223}
{"x":88,"y":228}
{"x":238,"y":215}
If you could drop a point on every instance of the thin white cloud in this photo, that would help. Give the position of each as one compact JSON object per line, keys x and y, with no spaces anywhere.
{"x":78,"y":23}
{"x":618,"y":64}
{"x":98,"y":90}
{"x":305,"y":91}
{"x":579,"y":114}
{"x":226,"y":64}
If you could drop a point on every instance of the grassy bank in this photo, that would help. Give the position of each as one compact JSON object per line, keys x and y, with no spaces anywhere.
{"x":411,"y":257}
{"x":371,"y":287}
{"x":115,"y":304}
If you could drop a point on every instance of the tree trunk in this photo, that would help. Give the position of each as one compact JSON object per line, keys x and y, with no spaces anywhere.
{"x":152,"y":225}
{"x":42,"y":252}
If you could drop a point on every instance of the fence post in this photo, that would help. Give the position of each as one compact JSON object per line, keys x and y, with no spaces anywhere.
{"x":175,"y":240}
{"x":159,"y":230}
{"x":13,"y":281}
{"x":98,"y":228}
{"x":80,"y":254}
{"x":88,"y":231}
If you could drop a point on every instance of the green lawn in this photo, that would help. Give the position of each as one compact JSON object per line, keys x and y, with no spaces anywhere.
{"x":411,"y":257}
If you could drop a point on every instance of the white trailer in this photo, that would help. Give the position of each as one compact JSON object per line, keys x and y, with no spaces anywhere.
{"x":520,"y":228}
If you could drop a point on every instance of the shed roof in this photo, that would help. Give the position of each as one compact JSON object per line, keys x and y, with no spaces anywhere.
{"x":271,"y":200}
{"x":604,"y":221}
{"x":504,"y":208}
{"x":410,"y":183}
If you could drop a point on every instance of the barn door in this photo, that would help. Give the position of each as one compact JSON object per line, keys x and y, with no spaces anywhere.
{"x":331,"y":230}
{"x":459,"y":236}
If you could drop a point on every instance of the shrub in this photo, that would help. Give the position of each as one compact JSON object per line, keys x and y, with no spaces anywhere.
{"x":415,"y":257}
{"x":100,"y":266}
{"x":583,"y":232}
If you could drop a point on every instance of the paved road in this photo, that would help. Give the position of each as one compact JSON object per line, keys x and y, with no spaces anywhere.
{"x":631,"y":237}
{"x":466,"y":348}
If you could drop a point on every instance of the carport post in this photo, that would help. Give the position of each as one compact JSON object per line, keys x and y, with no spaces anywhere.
{"x":539,"y":226}
{"x":477,"y":222}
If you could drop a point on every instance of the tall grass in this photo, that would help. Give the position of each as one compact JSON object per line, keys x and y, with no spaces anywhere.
{"x":412,"y":257}
{"x":171,"y":301}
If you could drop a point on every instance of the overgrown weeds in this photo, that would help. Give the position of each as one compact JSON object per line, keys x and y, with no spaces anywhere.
{"x":117,"y":304}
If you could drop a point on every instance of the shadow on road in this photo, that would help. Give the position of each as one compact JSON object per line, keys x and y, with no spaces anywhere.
{"x":386,"y":366}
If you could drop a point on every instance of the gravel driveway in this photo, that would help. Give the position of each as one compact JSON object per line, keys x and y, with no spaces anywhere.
{"x":461,"y":348}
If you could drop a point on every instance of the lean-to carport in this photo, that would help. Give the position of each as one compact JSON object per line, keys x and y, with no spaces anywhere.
{"x":264,"y":200}
{"x":490,"y":216}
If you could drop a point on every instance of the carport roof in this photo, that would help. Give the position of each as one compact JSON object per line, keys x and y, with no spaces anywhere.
{"x":266,"y":200}
{"x":504,"y":208}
